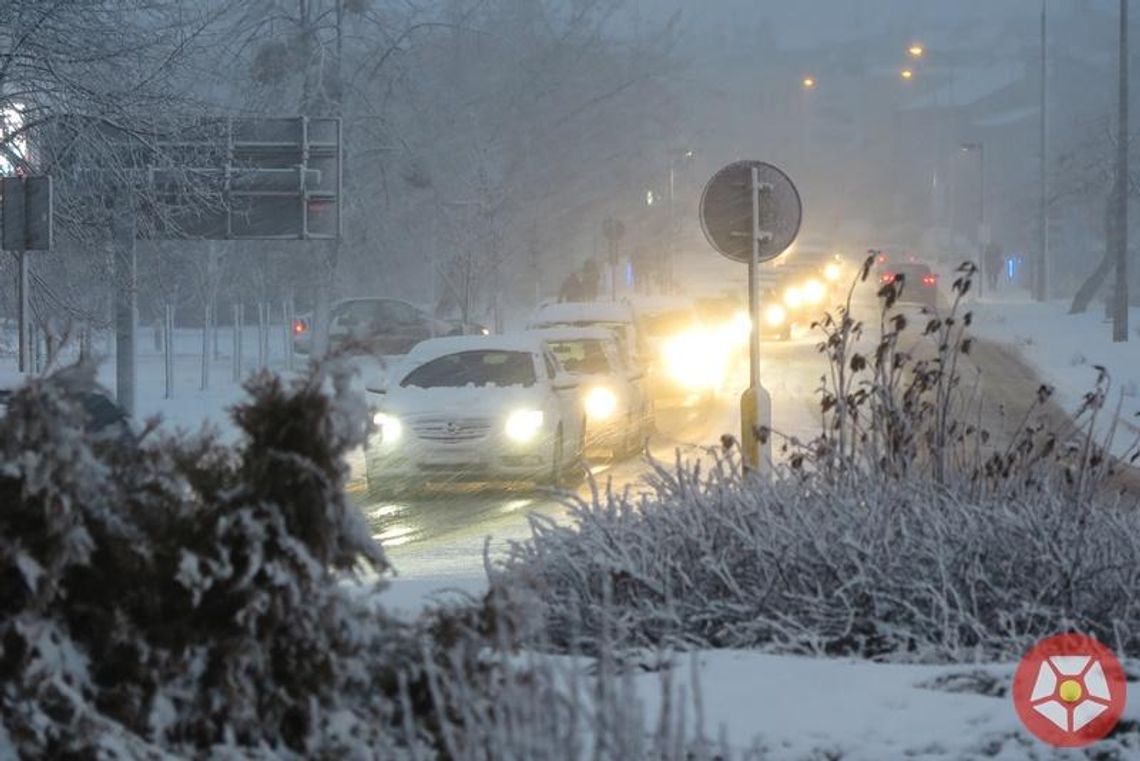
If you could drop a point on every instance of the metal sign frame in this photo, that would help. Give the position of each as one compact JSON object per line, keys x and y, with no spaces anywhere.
{"x":751,"y":213}
{"x":272,"y":175}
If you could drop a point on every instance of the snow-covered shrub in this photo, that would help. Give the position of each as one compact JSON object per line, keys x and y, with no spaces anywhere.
{"x":176,"y":597}
{"x":183,"y":592}
{"x":899,"y":405}
{"x":887,"y":569}
{"x":905,"y":530}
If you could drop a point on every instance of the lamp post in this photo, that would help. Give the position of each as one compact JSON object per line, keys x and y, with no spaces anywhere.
{"x":668,"y":284}
{"x":980,"y":148}
{"x":1120,"y":199}
{"x":1041,"y":271}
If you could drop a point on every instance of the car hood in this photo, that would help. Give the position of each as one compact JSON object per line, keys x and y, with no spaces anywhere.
{"x":459,"y":401}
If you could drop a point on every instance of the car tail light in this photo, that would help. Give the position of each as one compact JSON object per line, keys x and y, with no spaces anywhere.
{"x":930,"y":280}
{"x":887,"y":277}
{"x":299,"y":327}
{"x":882,"y":259}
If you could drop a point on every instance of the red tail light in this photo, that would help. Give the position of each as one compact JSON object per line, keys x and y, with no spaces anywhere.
{"x":887,"y":277}
{"x":930,"y":280}
{"x":882,"y":259}
{"x":299,"y":327}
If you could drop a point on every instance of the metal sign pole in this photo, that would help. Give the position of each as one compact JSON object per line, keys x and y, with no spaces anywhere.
{"x":753,"y":287}
{"x":751,"y":213}
{"x":24,"y":314}
{"x":756,"y":406}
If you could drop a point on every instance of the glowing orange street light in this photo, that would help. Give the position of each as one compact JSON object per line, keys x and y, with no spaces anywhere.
{"x":916,"y":50}
{"x":809,"y":83}
{"x":907,"y":74}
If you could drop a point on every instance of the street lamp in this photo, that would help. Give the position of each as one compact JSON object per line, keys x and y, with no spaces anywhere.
{"x":907,"y":74}
{"x":809,"y":83}
{"x":916,"y":50}
{"x":668,"y":274}
{"x":980,"y":148}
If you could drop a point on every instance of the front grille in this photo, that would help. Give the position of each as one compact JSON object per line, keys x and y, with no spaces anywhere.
{"x":447,"y":429}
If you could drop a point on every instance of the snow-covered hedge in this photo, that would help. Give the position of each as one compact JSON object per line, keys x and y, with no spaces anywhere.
{"x":905,"y":530}
{"x":180,"y":598}
{"x":898,"y":570}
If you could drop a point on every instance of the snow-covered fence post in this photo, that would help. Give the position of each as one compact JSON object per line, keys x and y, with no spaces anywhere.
{"x":207,"y":318}
{"x":84,"y":342}
{"x":239,"y":328}
{"x":290,"y":318}
{"x":168,"y":348}
{"x":262,"y":334}
{"x":38,"y":349}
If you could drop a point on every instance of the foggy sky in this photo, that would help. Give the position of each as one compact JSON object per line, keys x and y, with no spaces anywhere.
{"x":810,"y":22}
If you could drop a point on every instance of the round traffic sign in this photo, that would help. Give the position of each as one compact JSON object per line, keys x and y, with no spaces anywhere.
{"x":726,"y":211}
{"x":613,"y":229}
{"x":1069,"y":690}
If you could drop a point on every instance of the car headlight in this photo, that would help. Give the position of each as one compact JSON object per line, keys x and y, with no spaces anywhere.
{"x":832,"y":272}
{"x":524,"y":425}
{"x":793,"y":298}
{"x":698,"y":359}
{"x":601,"y":403}
{"x":814,"y":292}
{"x":775,"y":315}
{"x":391,"y":429}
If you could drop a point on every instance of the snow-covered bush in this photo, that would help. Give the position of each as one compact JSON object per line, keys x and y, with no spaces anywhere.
{"x":175,"y":597}
{"x":903,"y":404}
{"x":891,"y":569}
{"x":904,"y":530}
{"x":185,"y":591}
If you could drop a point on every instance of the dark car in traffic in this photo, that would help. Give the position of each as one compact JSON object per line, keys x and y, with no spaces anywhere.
{"x":379,"y":326}
{"x":919,"y":284}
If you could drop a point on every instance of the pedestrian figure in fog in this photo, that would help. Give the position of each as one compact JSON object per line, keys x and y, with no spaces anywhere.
{"x":995,"y":263}
{"x":591,"y":280}
{"x":572,"y":288}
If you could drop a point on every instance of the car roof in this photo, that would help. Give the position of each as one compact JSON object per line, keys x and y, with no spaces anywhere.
{"x":581,"y":311}
{"x":572,"y":334}
{"x":433,"y":348}
{"x":354,"y":299}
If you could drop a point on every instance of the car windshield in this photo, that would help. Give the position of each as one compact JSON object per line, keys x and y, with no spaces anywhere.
{"x":474,"y":368}
{"x":581,"y":357}
{"x":619,"y":329}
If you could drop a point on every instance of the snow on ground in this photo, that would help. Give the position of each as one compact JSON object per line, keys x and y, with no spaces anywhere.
{"x":1065,"y":348}
{"x":801,"y":708}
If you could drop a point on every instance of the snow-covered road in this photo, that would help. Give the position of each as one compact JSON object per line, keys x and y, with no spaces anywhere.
{"x":437,"y":542}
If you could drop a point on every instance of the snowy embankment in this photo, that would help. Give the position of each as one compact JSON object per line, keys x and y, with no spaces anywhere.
{"x":1066,"y":348}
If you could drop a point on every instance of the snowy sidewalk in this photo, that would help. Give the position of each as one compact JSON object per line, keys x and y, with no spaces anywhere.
{"x":1065,"y":348}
